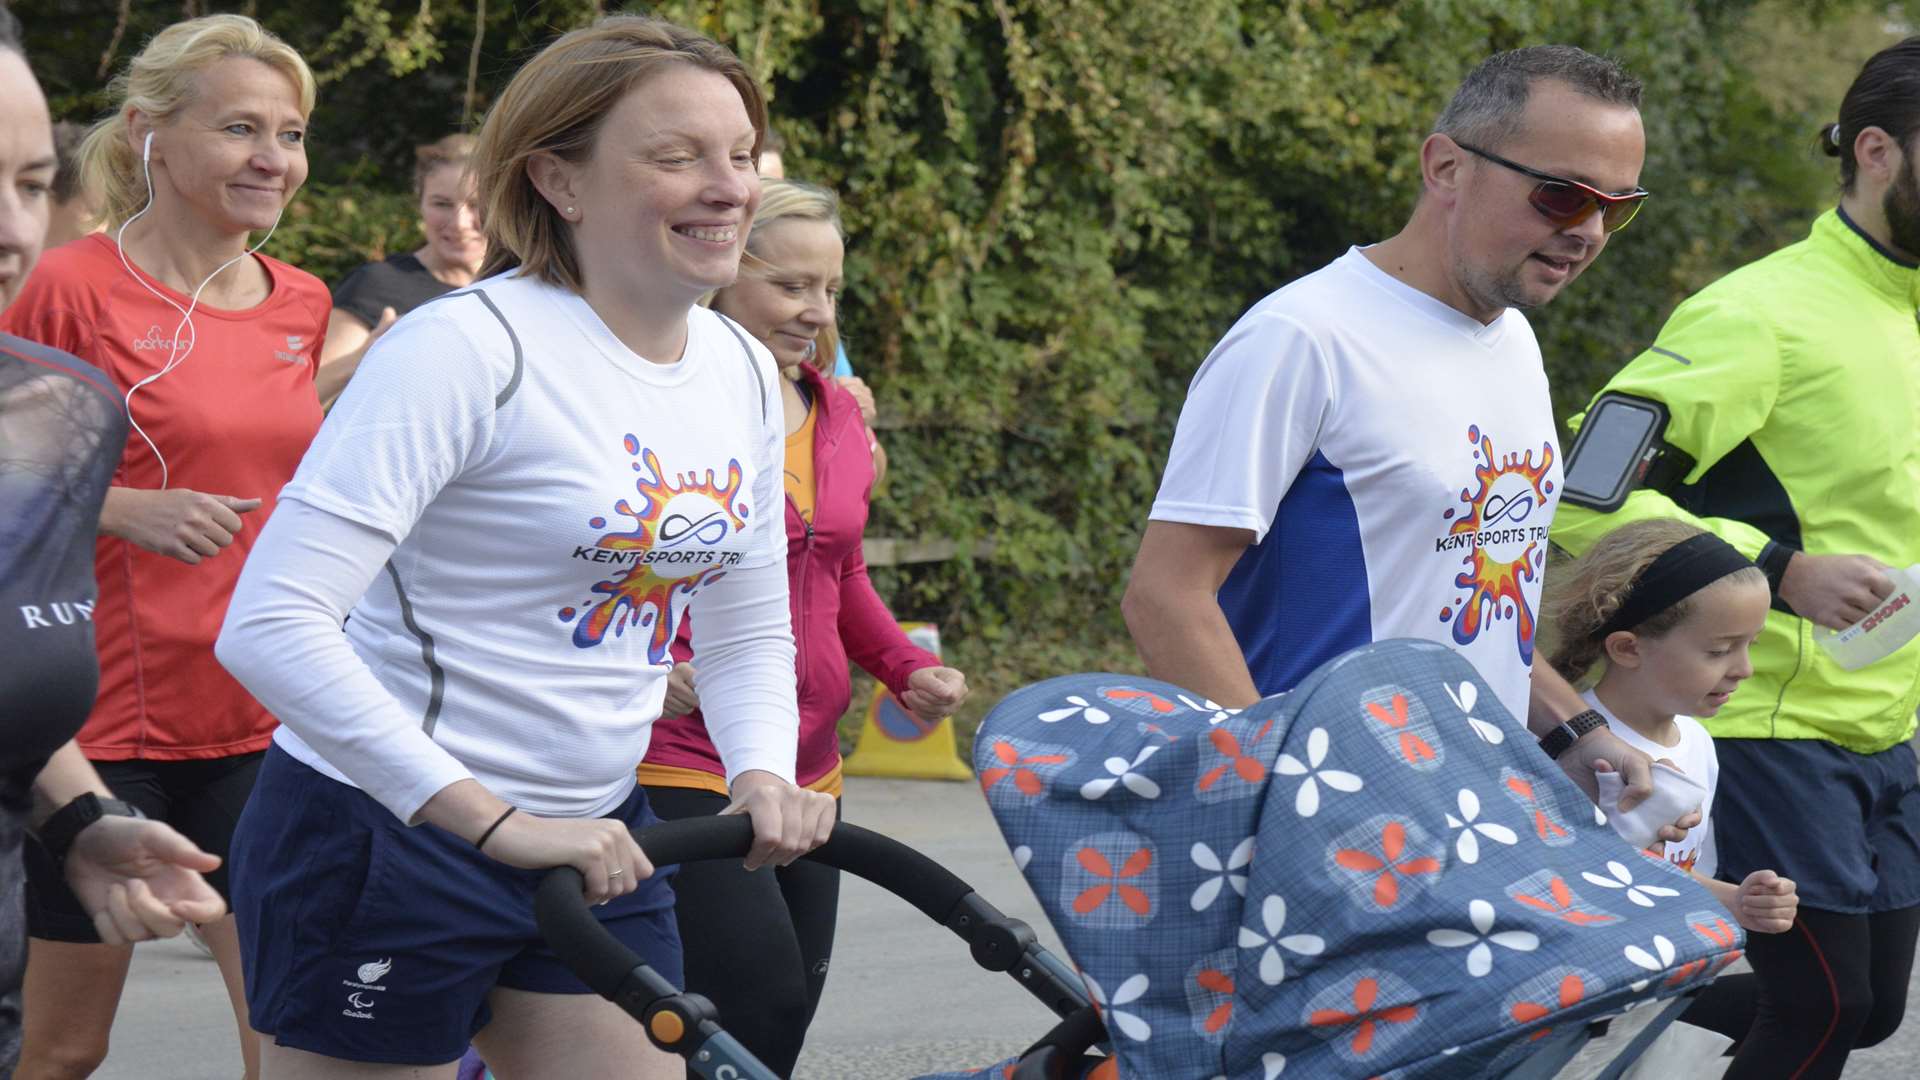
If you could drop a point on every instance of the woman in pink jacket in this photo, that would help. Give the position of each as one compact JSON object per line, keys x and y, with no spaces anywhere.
{"x":757,"y":944}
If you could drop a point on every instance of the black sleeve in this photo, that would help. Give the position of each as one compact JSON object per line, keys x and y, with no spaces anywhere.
{"x":361,"y":294}
{"x":62,"y":432}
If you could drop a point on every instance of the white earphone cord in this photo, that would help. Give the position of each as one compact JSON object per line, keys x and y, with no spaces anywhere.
{"x":174,"y":356}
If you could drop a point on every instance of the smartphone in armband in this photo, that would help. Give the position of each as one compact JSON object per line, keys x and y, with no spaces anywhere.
{"x":1620,"y":447}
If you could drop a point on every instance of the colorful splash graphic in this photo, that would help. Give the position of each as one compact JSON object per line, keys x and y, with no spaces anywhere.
{"x":678,"y":544}
{"x":1502,"y":535}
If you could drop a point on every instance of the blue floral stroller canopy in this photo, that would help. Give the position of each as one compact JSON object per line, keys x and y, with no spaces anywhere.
{"x":1375,"y":875}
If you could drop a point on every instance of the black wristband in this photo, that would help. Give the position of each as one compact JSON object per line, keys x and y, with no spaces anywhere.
{"x":58,"y":832}
{"x":1773,"y":561}
{"x":481,"y":844}
{"x":1561,"y":739}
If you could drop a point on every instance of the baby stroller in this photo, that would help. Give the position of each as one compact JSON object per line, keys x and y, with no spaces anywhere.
{"x":1374,"y":875}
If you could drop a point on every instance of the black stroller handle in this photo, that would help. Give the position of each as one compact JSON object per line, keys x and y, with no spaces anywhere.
{"x":686,"y":1023}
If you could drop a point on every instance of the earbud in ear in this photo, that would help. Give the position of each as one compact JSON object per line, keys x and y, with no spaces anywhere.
{"x":146,"y":149}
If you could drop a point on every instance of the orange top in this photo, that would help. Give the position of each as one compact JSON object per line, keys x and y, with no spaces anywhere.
{"x":702,"y":780}
{"x":233,"y":418}
{"x":800,"y":486}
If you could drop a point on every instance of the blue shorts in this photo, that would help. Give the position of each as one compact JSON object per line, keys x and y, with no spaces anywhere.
{"x":1844,"y":826}
{"x":366,"y":940}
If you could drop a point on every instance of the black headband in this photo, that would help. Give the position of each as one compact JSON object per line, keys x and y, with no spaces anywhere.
{"x":1679,"y":572}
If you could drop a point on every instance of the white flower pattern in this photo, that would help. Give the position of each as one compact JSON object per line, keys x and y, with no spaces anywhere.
{"x":1465,"y":699}
{"x":1467,"y":844}
{"x":1623,"y":879}
{"x":1124,"y":774}
{"x":1204,"y":705}
{"x":1222,"y":874}
{"x":1128,"y":992}
{"x":1660,"y":959}
{"x":1077,"y":705}
{"x":1273,"y":919}
{"x":1306,"y":801}
{"x":1479,"y":954}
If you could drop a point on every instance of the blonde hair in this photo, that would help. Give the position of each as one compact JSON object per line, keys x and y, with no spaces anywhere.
{"x":160,"y":82}
{"x":456,"y":149}
{"x":556,"y":104}
{"x":1581,"y":595}
{"x":791,"y":200}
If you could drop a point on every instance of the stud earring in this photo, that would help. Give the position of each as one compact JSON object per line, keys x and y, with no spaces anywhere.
{"x":569,"y":211}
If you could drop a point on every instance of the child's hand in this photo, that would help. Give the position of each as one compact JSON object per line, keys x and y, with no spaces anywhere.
{"x":681,"y":696}
{"x":1766,"y":903}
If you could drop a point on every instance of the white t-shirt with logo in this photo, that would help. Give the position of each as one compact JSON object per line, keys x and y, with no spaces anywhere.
{"x":1397,"y":463}
{"x":558,"y":504}
{"x":1694,"y":756}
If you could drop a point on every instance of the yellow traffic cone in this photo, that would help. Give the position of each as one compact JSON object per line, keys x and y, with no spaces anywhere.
{"x":894,"y":742}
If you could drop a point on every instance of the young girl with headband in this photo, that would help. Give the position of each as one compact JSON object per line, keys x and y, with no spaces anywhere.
{"x":1667,"y":612}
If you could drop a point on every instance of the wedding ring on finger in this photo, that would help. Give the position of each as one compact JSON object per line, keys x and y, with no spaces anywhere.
{"x":616,"y":872}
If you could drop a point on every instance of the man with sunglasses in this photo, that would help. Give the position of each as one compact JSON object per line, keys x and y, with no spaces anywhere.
{"x":1370,"y":452}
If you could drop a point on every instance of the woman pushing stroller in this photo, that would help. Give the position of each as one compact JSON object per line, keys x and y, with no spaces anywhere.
{"x":526,"y":488}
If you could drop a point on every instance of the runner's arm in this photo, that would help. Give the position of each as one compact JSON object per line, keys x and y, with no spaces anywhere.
{"x":743,"y":639}
{"x":1253,"y":418}
{"x":1173,"y":612}
{"x":871,"y":634}
{"x":66,"y":776}
{"x":1716,"y":367}
{"x":282,"y":640}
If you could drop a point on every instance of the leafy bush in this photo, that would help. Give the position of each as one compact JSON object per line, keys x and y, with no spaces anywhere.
{"x":1057,"y":206}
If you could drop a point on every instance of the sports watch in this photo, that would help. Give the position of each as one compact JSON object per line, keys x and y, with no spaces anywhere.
{"x":59,"y":832}
{"x":1560,"y":739}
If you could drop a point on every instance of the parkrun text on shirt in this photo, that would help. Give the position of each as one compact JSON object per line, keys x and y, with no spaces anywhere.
{"x":1892,"y":624}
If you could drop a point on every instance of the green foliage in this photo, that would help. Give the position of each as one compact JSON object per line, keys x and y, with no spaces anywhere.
{"x":1057,"y":206}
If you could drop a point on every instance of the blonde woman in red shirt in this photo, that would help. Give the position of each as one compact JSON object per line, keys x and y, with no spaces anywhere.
{"x":212,"y":348}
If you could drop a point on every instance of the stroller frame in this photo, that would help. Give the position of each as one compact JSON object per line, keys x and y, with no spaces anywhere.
{"x":688,"y":1025}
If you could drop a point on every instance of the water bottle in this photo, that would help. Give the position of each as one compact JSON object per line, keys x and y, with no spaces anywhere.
{"x":1891,"y":625}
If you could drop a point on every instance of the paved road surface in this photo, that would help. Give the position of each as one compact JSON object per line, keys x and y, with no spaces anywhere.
{"x":904,"y":998}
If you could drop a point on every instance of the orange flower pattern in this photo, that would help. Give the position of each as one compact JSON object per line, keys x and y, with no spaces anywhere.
{"x":1350,"y":796}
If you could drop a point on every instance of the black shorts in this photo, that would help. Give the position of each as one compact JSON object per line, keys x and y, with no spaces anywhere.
{"x":201,"y":798}
{"x":1844,"y":826}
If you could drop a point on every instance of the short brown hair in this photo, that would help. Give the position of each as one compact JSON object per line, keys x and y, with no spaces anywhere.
{"x":447,"y":150}
{"x":556,"y":104}
{"x":1488,"y":106}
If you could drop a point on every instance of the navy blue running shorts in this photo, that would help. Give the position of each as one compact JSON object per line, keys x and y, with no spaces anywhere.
{"x":1844,"y":826}
{"x":368,"y":940}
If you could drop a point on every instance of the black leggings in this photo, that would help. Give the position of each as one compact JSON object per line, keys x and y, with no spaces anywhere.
{"x":757,"y":944}
{"x":1830,"y":985}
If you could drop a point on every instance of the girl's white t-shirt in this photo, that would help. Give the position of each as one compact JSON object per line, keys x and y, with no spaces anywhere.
{"x":1695,"y":757}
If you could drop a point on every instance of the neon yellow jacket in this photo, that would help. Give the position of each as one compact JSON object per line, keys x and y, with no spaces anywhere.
{"x":1795,"y":384}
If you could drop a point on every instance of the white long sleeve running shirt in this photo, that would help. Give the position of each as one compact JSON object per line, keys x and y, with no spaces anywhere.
{"x":516,"y":512}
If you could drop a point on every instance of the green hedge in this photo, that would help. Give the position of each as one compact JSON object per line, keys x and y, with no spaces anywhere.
{"x":1058,"y":205}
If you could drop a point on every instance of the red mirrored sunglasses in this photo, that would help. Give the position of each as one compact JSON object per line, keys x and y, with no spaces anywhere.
{"x":1566,"y":202}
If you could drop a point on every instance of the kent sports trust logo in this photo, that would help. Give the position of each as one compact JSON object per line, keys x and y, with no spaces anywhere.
{"x":678,"y":543}
{"x":1500,"y":529}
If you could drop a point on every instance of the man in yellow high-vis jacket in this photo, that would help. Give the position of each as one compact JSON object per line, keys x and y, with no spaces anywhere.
{"x":1794,"y":385}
